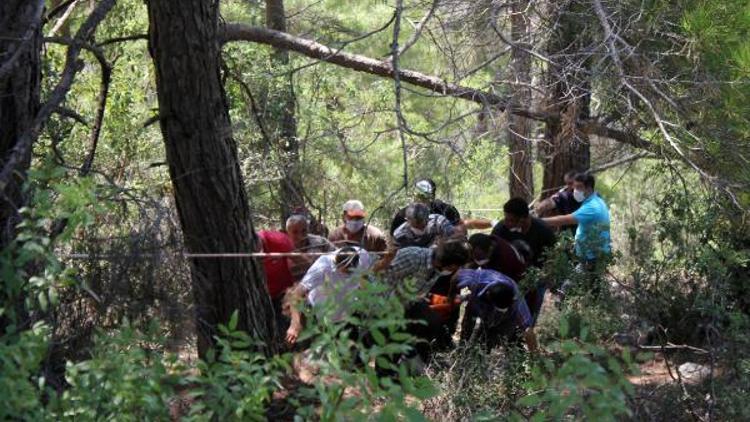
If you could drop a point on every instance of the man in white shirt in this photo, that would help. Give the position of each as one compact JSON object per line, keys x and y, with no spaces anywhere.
{"x":331,"y":277}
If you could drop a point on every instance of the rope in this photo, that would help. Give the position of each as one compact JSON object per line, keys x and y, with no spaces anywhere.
{"x":188,"y":255}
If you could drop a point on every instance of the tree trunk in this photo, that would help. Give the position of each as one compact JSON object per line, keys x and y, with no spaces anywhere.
{"x":521,"y":177}
{"x":203,"y":165}
{"x":567,"y":147}
{"x":20,"y":78}
{"x":280,"y":107}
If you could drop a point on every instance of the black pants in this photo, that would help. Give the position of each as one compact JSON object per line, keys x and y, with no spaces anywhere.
{"x":429,"y":328}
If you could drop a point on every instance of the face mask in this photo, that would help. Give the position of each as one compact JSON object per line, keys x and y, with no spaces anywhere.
{"x":417,"y":232}
{"x":482,"y":262}
{"x":446,"y":272}
{"x":515,"y":229}
{"x":501,"y":310}
{"x":354,"y":226}
{"x":579,"y":195}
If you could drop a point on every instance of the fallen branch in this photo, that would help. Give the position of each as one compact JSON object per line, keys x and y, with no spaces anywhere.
{"x":233,"y":32}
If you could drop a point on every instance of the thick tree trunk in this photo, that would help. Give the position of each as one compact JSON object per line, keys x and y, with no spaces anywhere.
{"x":567,"y":146}
{"x":20,"y":76}
{"x":202,"y":157}
{"x":521,"y":177}
{"x":280,"y":108}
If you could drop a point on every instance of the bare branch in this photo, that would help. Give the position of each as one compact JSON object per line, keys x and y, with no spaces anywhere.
{"x":72,"y":66}
{"x":106,"y":77}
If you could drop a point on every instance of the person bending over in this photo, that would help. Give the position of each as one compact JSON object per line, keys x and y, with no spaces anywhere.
{"x":331,"y":277}
{"x":298,"y":230}
{"x":502,"y":311}
{"x":422,"y":228}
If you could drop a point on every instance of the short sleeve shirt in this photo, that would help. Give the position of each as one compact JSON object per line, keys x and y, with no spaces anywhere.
{"x":412,"y":264}
{"x":506,"y":259}
{"x":436,"y":207}
{"x":478,"y":282}
{"x":322,"y":281}
{"x":592,"y":235}
{"x":437,"y":227}
{"x":565,"y":203}
{"x":278,"y":276}
{"x":540,"y":238}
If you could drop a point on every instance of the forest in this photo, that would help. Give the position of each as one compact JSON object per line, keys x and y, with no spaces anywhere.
{"x":375,"y":210}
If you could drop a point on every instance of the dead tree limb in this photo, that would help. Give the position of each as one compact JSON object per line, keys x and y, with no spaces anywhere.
{"x":240,"y":32}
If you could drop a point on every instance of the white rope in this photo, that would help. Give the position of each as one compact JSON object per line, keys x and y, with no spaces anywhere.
{"x":188,"y":255}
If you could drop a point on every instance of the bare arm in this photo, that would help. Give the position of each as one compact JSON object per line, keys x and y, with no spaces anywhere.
{"x":560,"y":220}
{"x":293,"y":298}
{"x":544,"y":206}
{"x":477,"y":223}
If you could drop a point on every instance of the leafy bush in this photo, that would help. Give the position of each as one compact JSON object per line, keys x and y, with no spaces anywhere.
{"x":579,"y":378}
{"x":357,"y":358}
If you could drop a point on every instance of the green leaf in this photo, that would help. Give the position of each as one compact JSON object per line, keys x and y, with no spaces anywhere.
{"x":232,"y":326}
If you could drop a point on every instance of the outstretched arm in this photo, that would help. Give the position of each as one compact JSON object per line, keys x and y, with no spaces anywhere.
{"x":560,"y":220}
{"x":294,"y":297}
{"x":544,"y":206}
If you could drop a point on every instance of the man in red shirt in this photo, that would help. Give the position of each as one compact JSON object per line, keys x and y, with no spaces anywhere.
{"x":494,"y":253}
{"x":277,"y":269}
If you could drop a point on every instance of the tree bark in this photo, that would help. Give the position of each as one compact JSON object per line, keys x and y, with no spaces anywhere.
{"x":282,"y":122}
{"x":521,"y":175}
{"x":20,"y":79}
{"x":202,"y":156}
{"x":567,"y":145}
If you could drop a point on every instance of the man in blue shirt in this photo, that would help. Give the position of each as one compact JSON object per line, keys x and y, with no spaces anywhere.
{"x":592,"y":240}
{"x":500,"y":307}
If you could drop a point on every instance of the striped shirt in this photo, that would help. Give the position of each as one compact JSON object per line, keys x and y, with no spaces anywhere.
{"x":412,"y":265}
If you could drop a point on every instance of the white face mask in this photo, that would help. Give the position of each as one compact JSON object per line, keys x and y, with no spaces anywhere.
{"x":354,"y":226}
{"x":579,"y":195}
{"x":416,"y":231}
{"x":482,"y":262}
{"x":446,"y":272}
{"x":501,"y":310}
{"x":515,"y":229}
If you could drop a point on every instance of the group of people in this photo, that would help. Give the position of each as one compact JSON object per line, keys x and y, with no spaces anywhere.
{"x":427,"y":252}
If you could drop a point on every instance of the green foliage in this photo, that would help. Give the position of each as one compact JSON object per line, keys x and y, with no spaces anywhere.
{"x":580,"y":378}
{"x":357,"y":356}
{"x":21,"y":386}
{"x":124,"y":379}
{"x":235,"y":382}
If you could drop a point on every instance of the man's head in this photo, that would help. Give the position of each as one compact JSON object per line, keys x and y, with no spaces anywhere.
{"x":347,"y":260}
{"x":516,"y":212}
{"x":569,"y":178}
{"x":450,"y":255}
{"x":583,"y":186}
{"x":354,"y":216}
{"x":424,"y":191}
{"x":481,"y":248}
{"x":501,"y":296}
{"x":297,"y":227}
{"x":417,"y":215}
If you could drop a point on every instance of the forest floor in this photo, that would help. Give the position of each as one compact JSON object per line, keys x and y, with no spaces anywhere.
{"x":659,"y":374}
